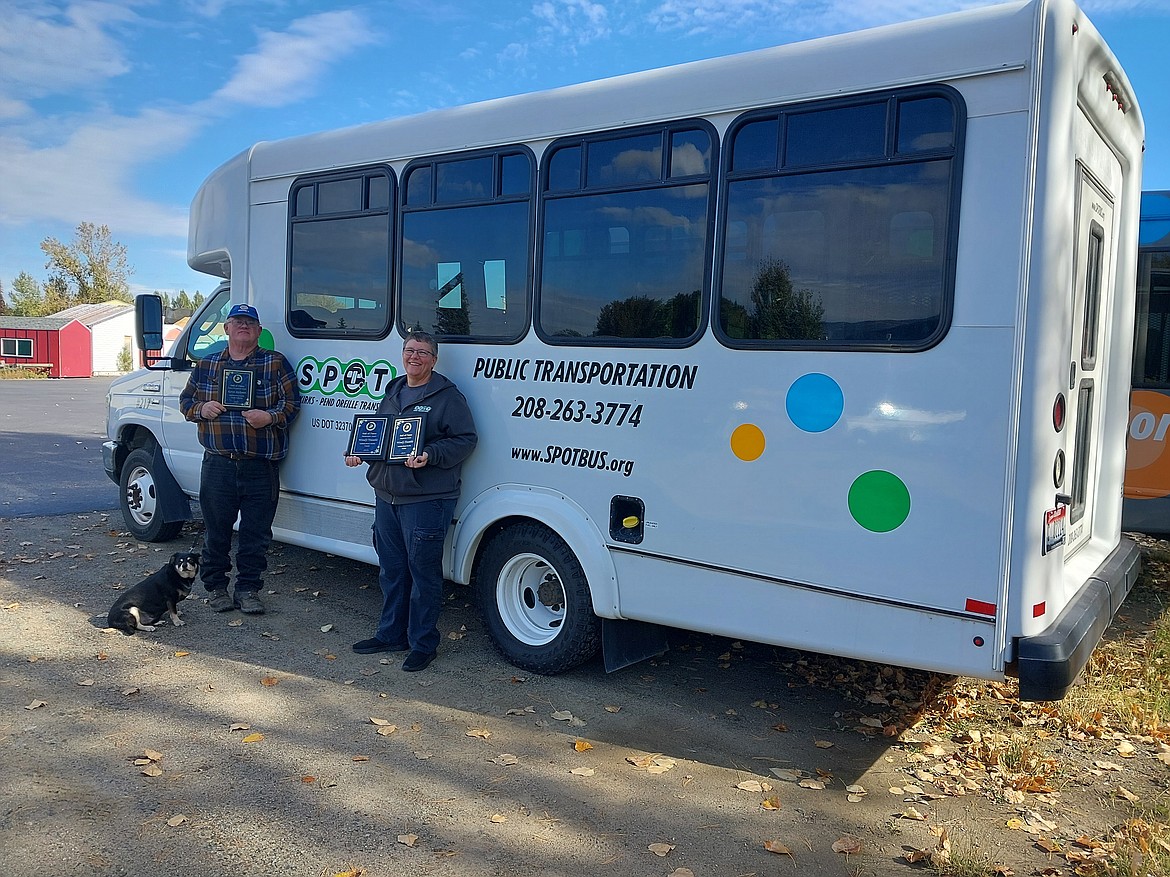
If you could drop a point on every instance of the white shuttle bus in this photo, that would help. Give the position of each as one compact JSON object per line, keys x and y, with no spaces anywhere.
{"x":825,"y":346}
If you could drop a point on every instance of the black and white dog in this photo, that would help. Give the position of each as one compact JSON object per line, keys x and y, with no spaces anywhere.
{"x":141,"y":607}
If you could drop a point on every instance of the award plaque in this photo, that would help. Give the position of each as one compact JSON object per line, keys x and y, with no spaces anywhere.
{"x":369,"y":437}
{"x":237,"y":389}
{"x":407,"y":438}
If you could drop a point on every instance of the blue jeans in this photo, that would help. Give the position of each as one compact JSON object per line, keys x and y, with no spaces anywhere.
{"x":409,"y":541}
{"x":248,"y":488}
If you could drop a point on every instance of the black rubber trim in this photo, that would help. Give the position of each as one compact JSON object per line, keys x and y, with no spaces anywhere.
{"x":1050,"y":662}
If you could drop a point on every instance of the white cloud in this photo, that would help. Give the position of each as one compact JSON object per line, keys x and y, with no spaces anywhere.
{"x":285,"y":66}
{"x":48,"y":48}
{"x":578,"y":20}
{"x":88,"y":173}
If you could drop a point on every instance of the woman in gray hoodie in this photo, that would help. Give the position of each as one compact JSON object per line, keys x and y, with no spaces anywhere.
{"x":414,"y":504}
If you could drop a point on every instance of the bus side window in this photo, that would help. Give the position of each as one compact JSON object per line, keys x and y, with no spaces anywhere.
{"x":466,"y":246}
{"x":827,"y":240}
{"x":626,"y":248}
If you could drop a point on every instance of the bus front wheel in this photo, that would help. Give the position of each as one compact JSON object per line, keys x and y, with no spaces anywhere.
{"x":140,"y":502}
{"x":535,"y":600}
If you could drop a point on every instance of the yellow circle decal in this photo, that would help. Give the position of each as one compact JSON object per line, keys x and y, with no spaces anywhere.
{"x":747,"y":442}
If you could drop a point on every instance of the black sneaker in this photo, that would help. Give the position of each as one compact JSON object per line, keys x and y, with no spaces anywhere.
{"x":373,"y":646}
{"x":220,"y":601}
{"x":416,"y":661}
{"x":249,"y":603}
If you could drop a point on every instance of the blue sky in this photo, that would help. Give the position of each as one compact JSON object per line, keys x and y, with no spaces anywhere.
{"x":114,"y":112}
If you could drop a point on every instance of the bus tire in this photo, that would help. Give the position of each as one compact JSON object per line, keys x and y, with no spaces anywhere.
{"x":139,"y":500}
{"x":535,"y":600}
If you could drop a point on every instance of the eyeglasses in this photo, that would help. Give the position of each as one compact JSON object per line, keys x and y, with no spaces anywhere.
{"x":245,"y":324}
{"x":415,"y":351}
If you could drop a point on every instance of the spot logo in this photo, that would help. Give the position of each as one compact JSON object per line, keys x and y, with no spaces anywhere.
{"x":353,"y":378}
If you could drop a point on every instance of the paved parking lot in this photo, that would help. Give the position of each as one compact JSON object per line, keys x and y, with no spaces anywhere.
{"x":51,"y":434}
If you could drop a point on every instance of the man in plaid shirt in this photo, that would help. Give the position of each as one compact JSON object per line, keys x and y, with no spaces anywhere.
{"x":243,"y":448}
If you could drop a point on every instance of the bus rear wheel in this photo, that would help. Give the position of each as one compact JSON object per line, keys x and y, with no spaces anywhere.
{"x":535,"y":600}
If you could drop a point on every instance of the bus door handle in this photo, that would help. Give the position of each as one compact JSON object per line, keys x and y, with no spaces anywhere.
{"x":1072,"y":376}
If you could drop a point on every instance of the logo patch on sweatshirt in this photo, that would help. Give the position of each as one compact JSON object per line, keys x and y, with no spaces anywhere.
{"x":422,"y":408}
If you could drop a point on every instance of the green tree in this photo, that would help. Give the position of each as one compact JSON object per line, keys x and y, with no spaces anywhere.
{"x":91,"y":269}
{"x":197,"y":300}
{"x":28,"y":299}
{"x":781,"y":312}
{"x":3,"y":303}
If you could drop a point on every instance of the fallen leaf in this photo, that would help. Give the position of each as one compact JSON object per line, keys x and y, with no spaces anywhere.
{"x":809,"y":783}
{"x":386,"y":730}
{"x":308,"y":780}
{"x":35,"y":705}
{"x":152,"y":754}
{"x":823,"y":744}
{"x":408,"y":839}
{"x":753,"y":786}
{"x":787,"y":774}
{"x":152,"y":770}
{"x":126,"y":692}
{"x":516,"y":711}
{"x":681,"y":872}
{"x":379,"y":721}
{"x":1126,"y":749}
{"x":176,"y":820}
{"x":85,"y":682}
{"x":652,"y":763}
{"x":774,"y":846}
{"x":915,"y":856}
{"x":240,"y":726}
{"x":506,"y":759}
{"x":772,"y":803}
{"x":911,"y":813}
{"x":325,"y":628}
{"x":269,"y":681}
{"x":582,"y":745}
{"x":562,"y":715}
{"x":583,"y":771}
{"x":847,"y":844}
{"x":613,"y":709}
{"x":660,"y":849}
{"x":253,"y":738}
{"x":1123,"y":792}
{"x":498,"y":818}
{"x":181,"y":654}
{"x":360,"y":758}
{"x":481,"y":733}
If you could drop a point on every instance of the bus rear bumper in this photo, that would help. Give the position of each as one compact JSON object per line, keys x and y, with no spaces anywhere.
{"x":1050,"y":662}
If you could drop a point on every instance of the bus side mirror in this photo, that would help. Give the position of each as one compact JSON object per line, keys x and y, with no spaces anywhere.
{"x":148,"y":325}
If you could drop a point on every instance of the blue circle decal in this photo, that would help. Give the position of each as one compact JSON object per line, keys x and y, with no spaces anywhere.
{"x":814,"y":402}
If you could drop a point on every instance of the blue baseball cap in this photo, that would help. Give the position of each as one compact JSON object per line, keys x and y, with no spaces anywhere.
{"x":242,"y":310}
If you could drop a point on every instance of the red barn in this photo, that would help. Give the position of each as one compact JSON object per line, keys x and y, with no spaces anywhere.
{"x":63,"y":346}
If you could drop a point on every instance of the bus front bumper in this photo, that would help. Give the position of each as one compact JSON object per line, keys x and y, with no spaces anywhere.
{"x":1050,"y":662}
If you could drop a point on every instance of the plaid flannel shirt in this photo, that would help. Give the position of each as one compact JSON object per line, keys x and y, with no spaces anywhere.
{"x":276,"y":392}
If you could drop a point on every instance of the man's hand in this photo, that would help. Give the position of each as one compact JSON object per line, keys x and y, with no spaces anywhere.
{"x":257,"y":418}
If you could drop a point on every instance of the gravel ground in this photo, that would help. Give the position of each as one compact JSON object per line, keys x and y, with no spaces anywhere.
{"x":262,"y":745}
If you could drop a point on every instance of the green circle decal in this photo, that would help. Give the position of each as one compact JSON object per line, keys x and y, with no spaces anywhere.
{"x":879,"y":501}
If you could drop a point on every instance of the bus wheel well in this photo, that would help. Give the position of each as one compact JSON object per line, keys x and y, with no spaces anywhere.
{"x":534,"y":597}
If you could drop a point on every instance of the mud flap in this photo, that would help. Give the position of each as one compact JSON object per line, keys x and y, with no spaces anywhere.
{"x":627,"y":642}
